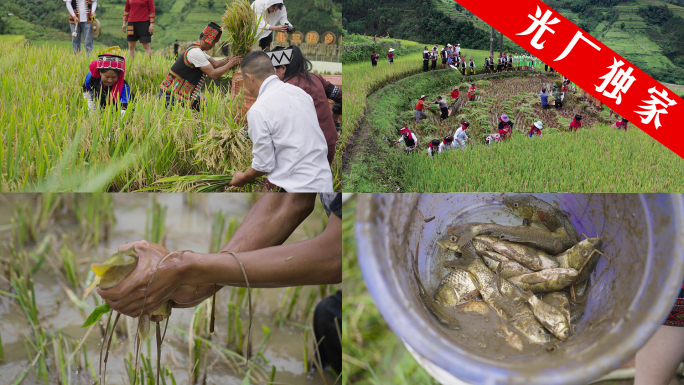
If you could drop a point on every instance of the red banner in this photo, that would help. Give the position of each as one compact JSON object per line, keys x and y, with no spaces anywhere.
{"x":590,"y":64}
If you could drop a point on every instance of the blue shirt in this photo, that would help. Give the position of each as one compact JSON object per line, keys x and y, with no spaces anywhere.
{"x":544,"y":99}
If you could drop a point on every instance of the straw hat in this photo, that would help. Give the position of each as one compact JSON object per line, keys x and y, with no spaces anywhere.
{"x":95,"y":27}
{"x":391,"y":49}
{"x":423,"y":96}
{"x":538,"y":125}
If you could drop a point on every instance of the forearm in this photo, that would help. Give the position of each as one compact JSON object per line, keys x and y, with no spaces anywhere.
{"x":314,"y":261}
{"x":271,"y":221}
{"x":94,"y":7}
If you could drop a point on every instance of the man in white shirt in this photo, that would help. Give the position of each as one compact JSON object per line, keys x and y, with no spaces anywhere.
{"x":81,"y":13}
{"x":271,"y":12}
{"x":287,"y":143}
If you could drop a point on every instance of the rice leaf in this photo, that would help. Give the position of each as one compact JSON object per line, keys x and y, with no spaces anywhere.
{"x":96,"y":314}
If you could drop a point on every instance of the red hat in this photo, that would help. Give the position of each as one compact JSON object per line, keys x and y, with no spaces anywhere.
{"x":490,"y":57}
{"x":404,"y":129}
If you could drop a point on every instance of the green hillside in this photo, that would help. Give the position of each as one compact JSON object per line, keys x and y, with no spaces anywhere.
{"x":650,"y":37}
{"x":649,"y":33}
{"x":176,"y":19}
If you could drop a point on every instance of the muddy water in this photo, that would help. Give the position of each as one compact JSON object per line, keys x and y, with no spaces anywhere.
{"x":188,"y":227}
{"x":479,"y":333}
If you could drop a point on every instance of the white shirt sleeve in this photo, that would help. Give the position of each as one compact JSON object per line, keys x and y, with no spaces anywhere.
{"x":283,"y":16}
{"x":94,"y":7}
{"x":401,"y":139}
{"x":442,"y":146}
{"x":198,"y":57}
{"x":415,"y":137}
{"x":260,"y":11}
{"x":263,"y":149}
{"x":70,"y":8}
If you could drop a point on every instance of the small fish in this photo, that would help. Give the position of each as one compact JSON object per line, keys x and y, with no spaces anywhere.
{"x":546,"y":280}
{"x":455,"y":288}
{"x":541,"y":213}
{"x":560,"y":301}
{"x":576,"y":257}
{"x":432,"y":307}
{"x":113,"y":270}
{"x":527,"y":256}
{"x":476,"y":307}
{"x":459,"y":235}
{"x":517,"y":312}
{"x":510,"y":336}
{"x":550,"y":316}
{"x":508,"y":268}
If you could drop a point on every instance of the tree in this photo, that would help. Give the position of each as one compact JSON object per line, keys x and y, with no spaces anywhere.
{"x":622,"y":25}
{"x":2,"y":26}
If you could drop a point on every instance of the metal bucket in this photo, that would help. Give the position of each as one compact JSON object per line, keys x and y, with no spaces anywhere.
{"x":643,"y":234}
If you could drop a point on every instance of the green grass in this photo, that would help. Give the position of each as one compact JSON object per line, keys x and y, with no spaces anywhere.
{"x":600,"y":159}
{"x":371,"y":352}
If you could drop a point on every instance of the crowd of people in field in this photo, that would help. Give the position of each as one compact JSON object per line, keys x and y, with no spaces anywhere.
{"x":549,"y":99}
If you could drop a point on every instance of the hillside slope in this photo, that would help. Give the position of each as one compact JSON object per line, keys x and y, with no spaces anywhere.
{"x":176,"y":19}
{"x":649,"y":33}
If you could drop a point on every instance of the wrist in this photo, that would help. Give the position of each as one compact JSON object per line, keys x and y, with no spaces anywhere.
{"x":188,"y":268}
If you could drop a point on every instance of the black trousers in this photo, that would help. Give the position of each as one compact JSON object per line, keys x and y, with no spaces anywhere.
{"x":266,"y":42}
{"x":327,"y":311}
{"x":426,"y":63}
{"x":445,"y":113}
{"x":434,"y":65}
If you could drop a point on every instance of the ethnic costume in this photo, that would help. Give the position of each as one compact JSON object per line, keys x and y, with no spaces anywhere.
{"x":93,"y":89}
{"x":676,"y":316}
{"x":139,"y":14}
{"x":80,"y":19}
{"x":185,"y":79}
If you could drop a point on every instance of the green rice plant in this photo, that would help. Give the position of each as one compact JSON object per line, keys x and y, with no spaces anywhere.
{"x":49,"y":141}
{"x":95,"y":216}
{"x":217,"y":226}
{"x":155,"y":223}
{"x":70,"y":265}
{"x":2,"y":352}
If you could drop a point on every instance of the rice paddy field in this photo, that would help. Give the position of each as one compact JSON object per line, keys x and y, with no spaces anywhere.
{"x":48,"y":242}
{"x":596,"y":158}
{"x":50,"y":142}
{"x":371,"y":352}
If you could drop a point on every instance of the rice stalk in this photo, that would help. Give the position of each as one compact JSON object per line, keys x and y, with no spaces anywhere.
{"x":240,"y":23}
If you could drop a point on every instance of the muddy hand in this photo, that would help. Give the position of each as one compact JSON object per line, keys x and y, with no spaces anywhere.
{"x":128,"y":296}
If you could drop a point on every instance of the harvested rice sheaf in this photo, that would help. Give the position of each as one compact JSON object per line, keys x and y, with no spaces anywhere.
{"x":240,"y":24}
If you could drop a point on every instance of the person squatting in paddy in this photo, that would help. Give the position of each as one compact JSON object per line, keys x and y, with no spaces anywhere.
{"x":104,"y":83}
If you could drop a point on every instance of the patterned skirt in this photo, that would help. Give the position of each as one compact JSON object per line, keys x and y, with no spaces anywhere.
{"x":676,"y":317}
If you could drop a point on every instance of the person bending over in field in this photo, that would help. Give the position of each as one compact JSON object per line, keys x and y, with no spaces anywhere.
{"x":460,"y":135}
{"x":293,"y":68}
{"x":447,"y":144}
{"x":471,"y":92}
{"x":188,"y":278}
{"x":558,"y":96}
{"x":433,"y":148}
{"x":288,"y":145}
{"x":105,"y":83}
{"x":536,"y":129}
{"x":410,"y":139}
{"x":442,"y":107}
{"x":271,"y":13}
{"x":621,"y":124}
{"x":390,"y":56}
{"x":187,"y":74}
{"x":576,"y":123}
{"x":505,"y":127}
